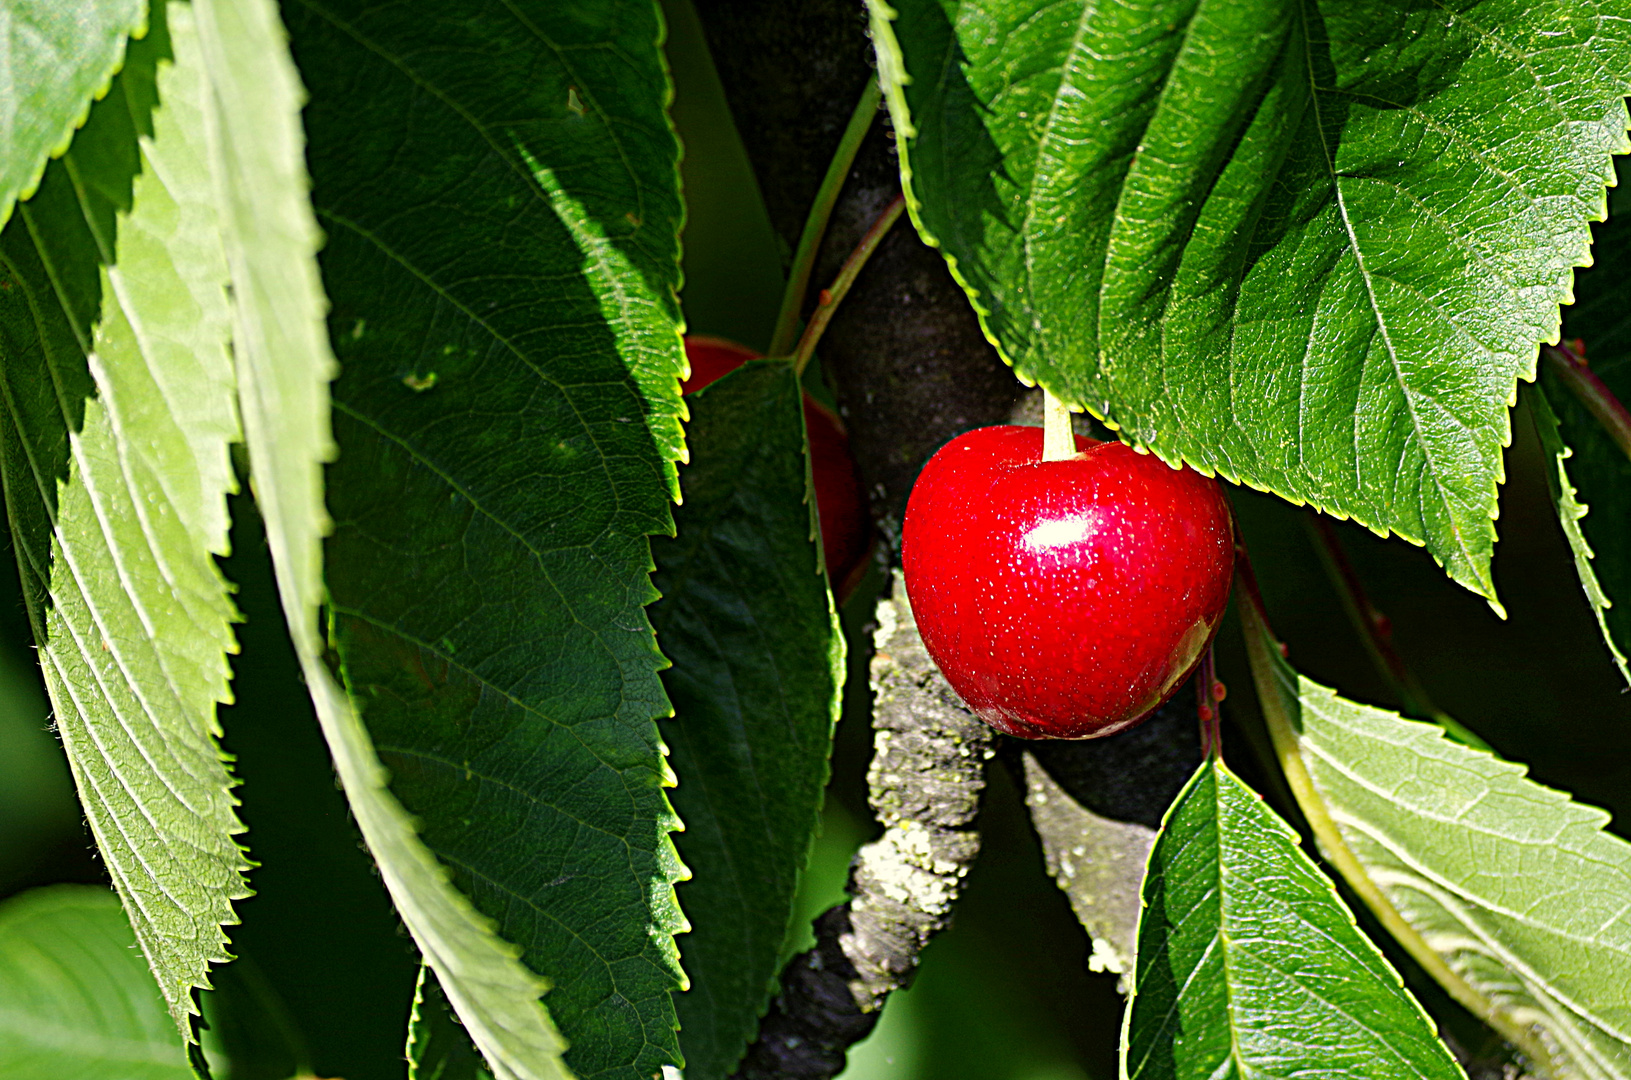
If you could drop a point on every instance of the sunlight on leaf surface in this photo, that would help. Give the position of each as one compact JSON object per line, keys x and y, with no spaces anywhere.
{"x":115,"y":286}
{"x":1517,"y":893}
{"x":76,"y":1000}
{"x":1250,"y":965}
{"x":284,"y":366}
{"x":747,"y":619}
{"x":1310,"y":246}
{"x":57,"y":55}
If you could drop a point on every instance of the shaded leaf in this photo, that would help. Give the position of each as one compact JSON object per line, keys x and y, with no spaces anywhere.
{"x":76,"y":1000}
{"x":1310,"y":246}
{"x":1605,"y":463}
{"x":58,"y":55}
{"x":1506,"y":892}
{"x":438,"y":1048}
{"x":115,"y":287}
{"x":284,"y":367}
{"x":499,"y":188}
{"x":1248,"y":963}
{"x":747,"y":619}
{"x":1596,"y":465}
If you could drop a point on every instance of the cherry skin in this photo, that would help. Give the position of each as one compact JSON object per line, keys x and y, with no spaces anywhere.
{"x":1064,"y":599}
{"x":846,"y":527}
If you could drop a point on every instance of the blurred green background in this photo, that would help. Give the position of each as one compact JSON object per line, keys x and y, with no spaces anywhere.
{"x":1003,"y":995}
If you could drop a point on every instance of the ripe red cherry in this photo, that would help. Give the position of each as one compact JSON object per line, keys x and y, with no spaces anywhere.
{"x":1064,"y":599}
{"x":846,"y":528}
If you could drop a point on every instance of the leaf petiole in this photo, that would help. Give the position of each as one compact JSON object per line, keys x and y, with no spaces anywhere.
{"x":815,"y":225}
{"x":1376,"y":632}
{"x":831,"y":296}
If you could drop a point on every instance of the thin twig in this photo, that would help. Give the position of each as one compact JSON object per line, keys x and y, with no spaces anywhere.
{"x":834,"y":294}
{"x":1593,"y":393}
{"x":927,"y":775}
{"x":815,"y":224}
{"x":1208,"y":696}
{"x":1376,"y":632}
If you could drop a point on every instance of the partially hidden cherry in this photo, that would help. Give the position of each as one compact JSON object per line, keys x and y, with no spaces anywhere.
{"x":1064,"y":599}
{"x":846,"y":527}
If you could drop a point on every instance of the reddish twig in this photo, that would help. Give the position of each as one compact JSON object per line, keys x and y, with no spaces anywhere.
{"x":1598,"y":399}
{"x":1376,"y":633}
{"x":834,"y":294}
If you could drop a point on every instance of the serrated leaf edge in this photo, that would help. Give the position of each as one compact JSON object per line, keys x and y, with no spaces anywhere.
{"x":1275,"y":682}
{"x":894,"y":78}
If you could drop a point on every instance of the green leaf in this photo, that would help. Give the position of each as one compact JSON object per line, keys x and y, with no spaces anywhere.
{"x":1506,"y":892}
{"x":115,"y":287}
{"x":438,"y":1048}
{"x":1309,"y":246}
{"x":76,"y":1000}
{"x":500,"y":190}
{"x":758,"y":674}
{"x":284,"y":367}
{"x":1597,"y":465}
{"x":58,"y":55}
{"x":1249,"y":964}
{"x":1605,"y":463}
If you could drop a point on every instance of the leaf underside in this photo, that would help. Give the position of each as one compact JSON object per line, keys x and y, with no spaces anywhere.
{"x":747,"y":619}
{"x":284,"y":365}
{"x":76,"y":1000}
{"x":1520,"y":890}
{"x":1309,"y":246}
{"x":1249,"y":965}
{"x":1595,"y":464}
{"x":118,"y":413}
{"x":502,"y":258}
{"x":61,"y":54}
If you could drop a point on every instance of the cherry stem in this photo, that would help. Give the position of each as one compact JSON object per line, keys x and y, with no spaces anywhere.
{"x":1058,"y":438}
{"x":1376,"y":632}
{"x":815,"y":223}
{"x":1208,"y":705}
{"x":1598,"y":399}
{"x":834,"y":294}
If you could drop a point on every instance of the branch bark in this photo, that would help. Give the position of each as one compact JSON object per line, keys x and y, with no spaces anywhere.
{"x":926,"y":778}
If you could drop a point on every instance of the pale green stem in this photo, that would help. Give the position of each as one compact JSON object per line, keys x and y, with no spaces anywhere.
{"x":1058,"y":440}
{"x":831,"y":296}
{"x":815,"y":224}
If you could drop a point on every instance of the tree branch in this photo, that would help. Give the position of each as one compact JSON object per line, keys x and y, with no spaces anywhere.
{"x":926,"y":778}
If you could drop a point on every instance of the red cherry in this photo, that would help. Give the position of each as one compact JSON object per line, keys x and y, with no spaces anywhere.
{"x":846,"y":529}
{"x":1064,"y":599}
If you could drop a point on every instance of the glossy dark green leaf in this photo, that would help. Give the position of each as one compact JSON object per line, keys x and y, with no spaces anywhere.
{"x":1249,"y":965}
{"x":58,"y":55}
{"x":1594,"y":514}
{"x":1309,"y":245}
{"x":119,"y":404}
{"x":498,"y":184}
{"x":284,"y":365}
{"x":77,"y":1001}
{"x":747,"y":619}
